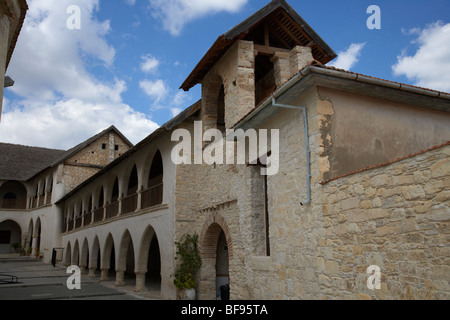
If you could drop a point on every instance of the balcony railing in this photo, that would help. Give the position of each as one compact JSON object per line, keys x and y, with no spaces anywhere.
{"x":98,"y":215}
{"x":87,"y":218}
{"x":13,"y":204}
{"x":129,"y":204}
{"x":112,"y":210}
{"x":151,"y":197}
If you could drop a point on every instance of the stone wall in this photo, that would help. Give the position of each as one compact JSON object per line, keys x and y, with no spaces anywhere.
{"x":236,"y":71}
{"x":92,"y":158}
{"x":396,"y":217}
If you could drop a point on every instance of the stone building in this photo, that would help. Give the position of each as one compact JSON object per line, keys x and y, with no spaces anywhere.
{"x":33,"y":179}
{"x":362,"y":179}
{"x":12,"y":16}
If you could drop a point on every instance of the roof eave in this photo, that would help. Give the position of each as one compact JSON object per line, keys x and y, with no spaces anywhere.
{"x":236,"y":32}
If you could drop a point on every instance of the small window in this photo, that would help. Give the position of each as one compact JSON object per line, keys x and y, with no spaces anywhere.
{"x":103,"y":146}
{"x":116,"y":147}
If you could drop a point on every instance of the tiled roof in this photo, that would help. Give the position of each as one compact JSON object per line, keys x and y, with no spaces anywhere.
{"x":287,"y":27}
{"x":21,"y":162}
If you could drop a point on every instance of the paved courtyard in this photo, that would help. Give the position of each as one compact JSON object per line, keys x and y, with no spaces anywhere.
{"x":39,"y":281}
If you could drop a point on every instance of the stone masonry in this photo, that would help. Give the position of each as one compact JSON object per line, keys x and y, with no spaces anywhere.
{"x":395,"y":216}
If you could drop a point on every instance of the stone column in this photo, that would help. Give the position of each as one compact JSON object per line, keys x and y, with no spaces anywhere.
{"x":34,"y":246}
{"x":140,"y":281}
{"x":282,"y":67}
{"x":300,"y":57}
{"x":139,"y":199}
{"x":104,"y":274}
{"x":120,"y":276}
{"x":92,"y":272}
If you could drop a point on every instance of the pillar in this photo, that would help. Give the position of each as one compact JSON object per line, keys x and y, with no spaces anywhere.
{"x":120,"y":276}
{"x":140,"y":281}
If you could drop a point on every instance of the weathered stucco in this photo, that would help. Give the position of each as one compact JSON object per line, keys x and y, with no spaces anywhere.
{"x":363,"y":131}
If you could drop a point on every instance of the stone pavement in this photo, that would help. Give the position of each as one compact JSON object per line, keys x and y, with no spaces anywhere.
{"x":39,"y":281}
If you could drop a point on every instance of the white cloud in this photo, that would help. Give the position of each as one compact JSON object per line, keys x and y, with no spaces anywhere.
{"x":61,"y":103}
{"x":175,"y":14}
{"x":65,"y":123}
{"x":130,"y":2}
{"x":348,"y":58}
{"x":430,"y":66}
{"x":47,"y":62}
{"x":155,"y":89}
{"x":149,"y":63}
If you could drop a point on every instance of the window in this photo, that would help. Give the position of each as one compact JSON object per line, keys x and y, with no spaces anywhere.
{"x":116,"y":147}
{"x":104,"y":146}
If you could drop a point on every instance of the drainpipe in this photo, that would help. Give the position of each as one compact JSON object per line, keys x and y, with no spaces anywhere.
{"x":307,"y":147}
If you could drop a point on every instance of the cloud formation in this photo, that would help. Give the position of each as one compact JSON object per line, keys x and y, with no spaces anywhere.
{"x":348,"y":58}
{"x":175,"y":14}
{"x":58,"y":102}
{"x":429,"y":66}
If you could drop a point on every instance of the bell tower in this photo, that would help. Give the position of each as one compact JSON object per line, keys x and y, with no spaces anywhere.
{"x":248,"y":63}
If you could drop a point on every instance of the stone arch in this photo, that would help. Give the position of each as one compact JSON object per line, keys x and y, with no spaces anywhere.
{"x":68,"y":255}
{"x":13,"y":195}
{"x":10,"y":233}
{"x":214,"y":231}
{"x":37,"y":236}
{"x":108,"y":264}
{"x":76,"y":254}
{"x":84,"y":257}
{"x":213,"y":102}
{"x":94,"y":258}
{"x":210,"y":234}
{"x":154,"y":177}
{"x":125,"y":260}
{"x":148,"y":268}
{"x":132,"y":181}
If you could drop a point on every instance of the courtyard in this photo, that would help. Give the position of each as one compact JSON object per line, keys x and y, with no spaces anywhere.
{"x":39,"y":281}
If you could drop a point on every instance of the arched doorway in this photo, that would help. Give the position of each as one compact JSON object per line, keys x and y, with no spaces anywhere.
{"x":76,"y":254}
{"x":125,"y":265}
{"x":68,"y":256}
{"x":10,"y":236}
{"x":216,"y":251}
{"x":148,"y":271}
{"x":95,"y":259}
{"x":108,"y":265}
{"x":84,"y":257}
{"x":222,"y":266}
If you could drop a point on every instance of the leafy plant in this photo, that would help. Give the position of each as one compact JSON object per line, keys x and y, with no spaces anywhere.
{"x":189,"y":264}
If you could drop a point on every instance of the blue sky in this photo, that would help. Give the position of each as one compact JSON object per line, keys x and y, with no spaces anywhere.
{"x":126,"y":62}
